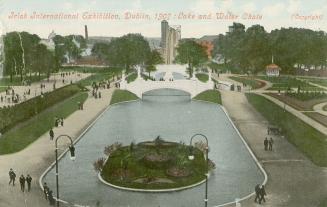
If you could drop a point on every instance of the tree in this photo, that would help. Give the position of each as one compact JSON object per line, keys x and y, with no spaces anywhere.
{"x":128,"y":51}
{"x":153,"y":59}
{"x":255,"y":50}
{"x":68,"y":48}
{"x":191,"y":53}
{"x":100,"y":50}
{"x":291,"y":47}
{"x":25,"y":54}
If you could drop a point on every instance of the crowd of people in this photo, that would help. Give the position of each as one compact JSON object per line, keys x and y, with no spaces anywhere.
{"x":11,"y":97}
{"x":96,"y":93}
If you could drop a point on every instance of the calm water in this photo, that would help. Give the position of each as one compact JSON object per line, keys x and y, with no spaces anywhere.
{"x":172,"y":115}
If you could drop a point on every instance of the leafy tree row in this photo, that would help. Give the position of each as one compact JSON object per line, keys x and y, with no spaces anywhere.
{"x":128,"y":51}
{"x":68,"y":48}
{"x":25,"y":55}
{"x":251,"y":49}
{"x":191,"y":53}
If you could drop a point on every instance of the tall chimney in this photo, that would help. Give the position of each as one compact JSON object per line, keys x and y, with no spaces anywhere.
{"x":86,"y":33}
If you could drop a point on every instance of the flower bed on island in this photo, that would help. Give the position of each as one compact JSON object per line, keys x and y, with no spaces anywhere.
{"x":153,"y":165}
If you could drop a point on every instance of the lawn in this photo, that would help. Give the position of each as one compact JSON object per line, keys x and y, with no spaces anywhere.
{"x":18,"y":113}
{"x":210,"y":96}
{"x":2,"y":89}
{"x":317,"y":117}
{"x":255,"y":84}
{"x":306,"y":138}
{"x":285,"y":82}
{"x":5,"y":81}
{"x":86,"y":69}
{"x":149,"y":165}
{"x":121,"y":96}
{"x":323,"y":203}
{"x":131,"y":77}
{"x":202,"y":77}
{"x":25,"y":134}
{"x":301,"y":104}
{"x":318,"y":81}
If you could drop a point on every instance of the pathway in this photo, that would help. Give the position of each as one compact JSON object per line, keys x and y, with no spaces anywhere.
{"x":35,"y":88}
{"x":319,"y":108}
{"x":314,"y":84}
{"x":290,"y":109}
{"x":293,"y":180}
{"x":38,"y":156}
{"x":298,"y":114}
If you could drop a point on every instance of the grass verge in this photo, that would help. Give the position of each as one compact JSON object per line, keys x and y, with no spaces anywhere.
{"x":122,"y":95}
{"x":10,"y":117}
{"x":209,"y":95}
{"x":323,"y":203}
{"x":5,"y":81}
{"x":306,"y":138}
{"x":202,"y":77}
{"x":317,"y":117}
{"x":132,"y":77}
{"x":255,"y":84}
{"x":21,"y":137}
{"x":2,"y":89}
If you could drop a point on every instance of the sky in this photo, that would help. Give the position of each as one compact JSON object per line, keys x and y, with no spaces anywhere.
{"x":272,"y":14}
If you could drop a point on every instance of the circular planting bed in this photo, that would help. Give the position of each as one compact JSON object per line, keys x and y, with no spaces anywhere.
{"x":156,"y":165}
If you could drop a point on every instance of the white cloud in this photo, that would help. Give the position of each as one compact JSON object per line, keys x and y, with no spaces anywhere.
{"x":293,"y":6}
{"x":201,"y":6}
{"x":249,"y":7}
{"x":321,"y":11}
{"x":226,"y":5}
{"x":136,"y":5}
{"x":273,"y":10}
{"x":68,"y":5}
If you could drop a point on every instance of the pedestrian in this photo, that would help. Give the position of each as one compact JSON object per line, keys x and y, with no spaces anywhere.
{"x":12,"y":176}
{"x":45,"y":190}
{"x":29,"y":181}
{"x":265,"y":143}
{"x":262,"y":194}
{"x":270,"y":143}
{"x":22,"y":183}
{"x":51,"y":199}
{"x":99,"y":94}
{"x":257,"y":193}
{"x":51,"y":133}
{"x":62,"y":121}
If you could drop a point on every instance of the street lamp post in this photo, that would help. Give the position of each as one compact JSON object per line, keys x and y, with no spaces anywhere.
{"x":191,"y":157}
{"x":72,"y":157}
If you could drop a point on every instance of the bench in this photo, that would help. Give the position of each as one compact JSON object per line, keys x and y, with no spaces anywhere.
{"x":274,"y":130}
